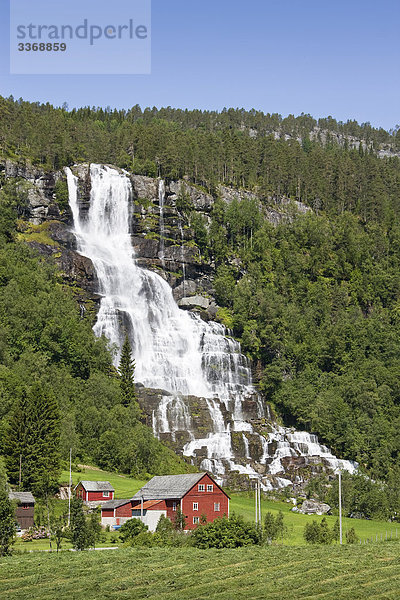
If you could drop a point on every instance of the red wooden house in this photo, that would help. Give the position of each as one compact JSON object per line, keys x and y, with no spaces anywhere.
{"x":195,"y":494}
{"x":95,"y":492}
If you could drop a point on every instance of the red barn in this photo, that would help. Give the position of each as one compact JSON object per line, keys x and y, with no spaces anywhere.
{"x":196,"y":494}
{"x":94,"y":492}
{"x":116,"y":512}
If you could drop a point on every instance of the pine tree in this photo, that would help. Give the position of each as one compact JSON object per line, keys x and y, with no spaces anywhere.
{"x":79,"y":529}
{"x":33,"y":437}
{"x":94,"y":528}
{"x":7,"y":519}
{"x":127,"y":374}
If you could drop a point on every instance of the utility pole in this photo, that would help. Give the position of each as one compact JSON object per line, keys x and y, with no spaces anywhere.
{"x":20,"y":472}
{"x":257,"y":494}
{"x":340,"y":507}
{"x":69,"y":486}
{"x":256,"y":500}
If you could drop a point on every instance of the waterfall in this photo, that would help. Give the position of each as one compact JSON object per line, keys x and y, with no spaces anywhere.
{"x":174,"y":350}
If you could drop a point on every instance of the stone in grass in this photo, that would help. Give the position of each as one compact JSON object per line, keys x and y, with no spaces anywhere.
{"x":312,"y":507}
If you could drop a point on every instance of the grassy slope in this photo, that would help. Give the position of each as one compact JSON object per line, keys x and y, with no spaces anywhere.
{"x":125,"y":487}
{"x":243,"y":504}
{"x":186,"y":573}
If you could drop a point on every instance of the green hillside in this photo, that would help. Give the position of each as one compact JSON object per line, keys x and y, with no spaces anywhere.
{"x":313,"y":300}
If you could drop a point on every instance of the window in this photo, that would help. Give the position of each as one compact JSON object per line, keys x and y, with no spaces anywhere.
{"x":217,"y":506}
{"x":196,"y":520}
{"x":201,"y":487}
{"x":174,"y":506}
{"x":195,"y":506}
{"x":106,"y":494}
{"x":210,"y":487}
{"x":24,"y":506}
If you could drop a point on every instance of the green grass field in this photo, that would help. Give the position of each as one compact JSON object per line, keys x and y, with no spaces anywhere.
{"x":272,"y":573}
{"x":125,"y":487}
{"x":243,"y":504}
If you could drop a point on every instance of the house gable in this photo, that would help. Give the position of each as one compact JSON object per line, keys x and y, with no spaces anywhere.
{"x":206,"y":498}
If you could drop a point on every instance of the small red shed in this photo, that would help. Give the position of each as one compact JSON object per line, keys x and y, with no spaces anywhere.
{"x":95,"y":492}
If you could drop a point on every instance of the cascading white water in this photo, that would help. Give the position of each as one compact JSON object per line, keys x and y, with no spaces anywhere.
{"x":174,"y":350}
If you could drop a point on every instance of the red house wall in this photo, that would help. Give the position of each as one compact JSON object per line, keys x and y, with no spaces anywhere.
{"x":124,"y":511}
{"x":168,"y":506}
{"x":107,"y":512}
{"x":96,"y":496}
{"x":80,"y":492}
{"x":205,"y":502}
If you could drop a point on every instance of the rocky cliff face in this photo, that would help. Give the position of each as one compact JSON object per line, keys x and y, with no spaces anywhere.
{"x":162,"y":238}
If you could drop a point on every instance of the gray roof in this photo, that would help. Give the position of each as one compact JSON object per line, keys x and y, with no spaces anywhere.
{"x":168,"y":486}
{"x":115,"y":503}
{"x":97,"y":486}
{"x":23,"y":497}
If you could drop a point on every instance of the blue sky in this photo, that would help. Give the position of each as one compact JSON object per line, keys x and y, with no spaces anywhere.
{"x":324,"y":58}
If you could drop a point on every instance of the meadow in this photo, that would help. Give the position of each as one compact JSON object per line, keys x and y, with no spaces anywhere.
{"x":268,"y":573}
{"x":240,"y":503}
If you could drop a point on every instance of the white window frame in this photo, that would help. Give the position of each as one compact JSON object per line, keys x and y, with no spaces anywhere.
{"x":174,"y":506}
{"x":106,"y":494}
{"x":202,"y":487}
{"x":195,"y":506}
{"x":217,"y":507}
{"x":196,"y":520}
{"x":210,"y":487}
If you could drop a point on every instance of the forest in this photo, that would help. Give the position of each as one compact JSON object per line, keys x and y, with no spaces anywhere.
{"x":315,"y":301}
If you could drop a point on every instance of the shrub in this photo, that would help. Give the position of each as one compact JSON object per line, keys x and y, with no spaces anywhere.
{"x":351,"y":536}
{"x":131,"y":529}
{"x":231,"y":532}
{"x":318,"y":533}
{"x":274,"y":527}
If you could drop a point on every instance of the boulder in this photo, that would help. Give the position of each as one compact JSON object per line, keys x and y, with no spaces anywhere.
{"x":194,"y":301}
{"x":312,"y":507}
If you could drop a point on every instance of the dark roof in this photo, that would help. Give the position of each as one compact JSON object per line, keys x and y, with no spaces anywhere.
{"x":97,"y":486}
{"x":115,"y":503}
{"x":168,"y":486}
{"x":23,"y":497}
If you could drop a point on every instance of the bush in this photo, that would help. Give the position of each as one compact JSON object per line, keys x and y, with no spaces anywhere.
{"x":231,"y":532}
{"x":274,"y":527}
{"x":167,"y":535}
{"x":143,"y":539}
{"x":318,"y":533}
{"x":351,"y":536}
{"x":131,"y":529}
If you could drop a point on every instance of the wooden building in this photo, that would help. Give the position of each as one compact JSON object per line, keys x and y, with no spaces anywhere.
{"x":94,"y":493}
{"x":196,"y":494}
{"x":25,"y":510}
